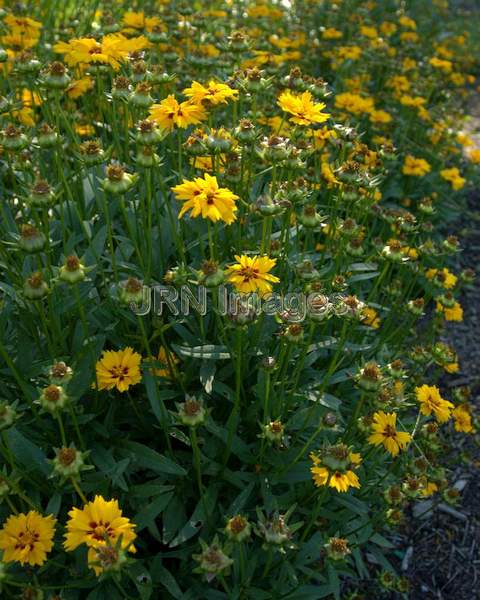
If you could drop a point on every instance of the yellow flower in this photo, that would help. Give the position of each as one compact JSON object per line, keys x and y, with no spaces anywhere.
{"x":252,"y":274}
{"x":206,"y":199}
{"x":214,"y":93}
{"x":448,"y":280}
{"x":463,"y":419}
{"x":380,"y":116}
{"x":453,"y":176}
{"x":98,"y":524}
{"x":429,"y":489}
{"x":113,"y":49}
{"x":27,"y":538}
{"x":119,"y":369}
{"x":370,"y":317}
{"x":417,"y":167}
{"x":138,"y":20}
{"x":165,"y":370}
{"x":78,"y":87}
{"x":431,"y":402}
{"x":385,"y":432}
{"x":338,"y":479}
{"x":170,"y":113}
{"x":331,"y":34}
{"x":451,"y":313}
{"x":304,"y":110}
{"x":444,"y":65}
{"x":354,"y":103}
{"x":474,"y":156}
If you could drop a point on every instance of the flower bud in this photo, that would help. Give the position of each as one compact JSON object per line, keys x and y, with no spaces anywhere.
{"x":41,"y":194}
{"x":369,"y":377}
{"x":68,"y":462}
{"x":274,"y":431}
{"x":212,"y":560}
{"x":35,"y":287}
{"x":31,"y":239}
{"x":117,"y":180}
{"x":13,"y":139}
{"x":141,"y":96}
{"x":72,"y":271}
{"x":53,"y":398}
{"x":238,"y":529}
{"x":47,"y":137}
{"x":293,"y":333}
{"x":131,"y":291}
{"x":211,"y":276}
{"x":56,"y":76}
{"x":191,"y":412}
{"x":92,"y":153}
{"x":337,"y":548}
{"x":60,"y":373}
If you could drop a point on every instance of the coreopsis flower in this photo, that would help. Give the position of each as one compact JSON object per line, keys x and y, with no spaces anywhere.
{"x":443,"y":277}
{"x":431,"y":402}
{"x":252,"y":274}
{"x":354,"y":103}
{"x":370,"y":317}
{"x":170,"y":113}
{"x":303,"y":109}
{"x":334,"y":466}
{"x":417,"y":167}
{"x":385,"y":432}
{"x":462,"y":419}
{"x":112,"y":50}
{"x":205,"y":198}
{"x":27,"y":538}
{"x":453,"y":177}
{"x":453,"y":312}
{"x":167,"y":363}
{"x":119,"y":369}
{"x":99,"y":525}
{"x":212,"y":93}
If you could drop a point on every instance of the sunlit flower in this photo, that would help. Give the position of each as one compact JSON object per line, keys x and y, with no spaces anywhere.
{"x":252,"y":274}
{"x":170,"y":113}
{"x":205,"y":198}
{"x":431,"y":402}
{"x":303,"y":109}
{"x":213,"y":93}
{"x":99,"y":524}
{"x":27,"y":538}
{"x":385,"y":432}
{"x":119,"y":369}
{"x":417,"y":167}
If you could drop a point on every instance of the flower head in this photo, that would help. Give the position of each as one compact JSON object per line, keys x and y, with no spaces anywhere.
{"x":212,"y":93}
{"x":251,"y":274}
{"x":205,"y":198}
{"x":99,"y":525}
{"x":334,"y":466}
{"x":303,"y":109}
{"x":417,"y":167}
{"x":27,"y":538}
{"x":431,"y":402}
{"x":119,"y":369}
{"x":385,"y":432}
{"x":170,"y":113}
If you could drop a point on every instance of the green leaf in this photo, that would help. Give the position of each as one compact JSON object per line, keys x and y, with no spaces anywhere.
{"x":26,"y":452}
{"x":146,"y":517}
{"x":151,"y":459}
